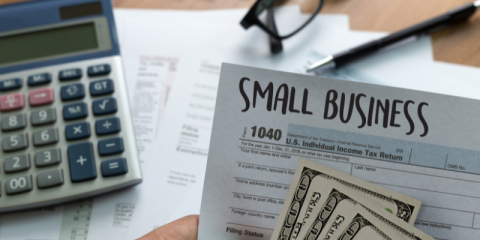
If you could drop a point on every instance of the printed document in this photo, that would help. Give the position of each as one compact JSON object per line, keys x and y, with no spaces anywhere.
{"x":419,"y":144}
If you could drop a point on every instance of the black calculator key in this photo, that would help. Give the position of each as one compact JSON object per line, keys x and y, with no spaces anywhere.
{"x":81,"y":162}
{"x":70,"y":74}
{"x":77,"y":131}
{"x":107,"y":126}
{"x":114,"y":167}
{"x":75,"y":111}
{"x":98,"y":70}
{"x":11,"y":84}
{"x":101,"y":87}
{"x":39,"y":79}
{"x":110,"y":146}
{"x":104,"y":106}
{"x":72,"y":92}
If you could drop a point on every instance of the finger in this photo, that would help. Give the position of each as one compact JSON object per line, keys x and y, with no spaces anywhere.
{"x":185,"y":228}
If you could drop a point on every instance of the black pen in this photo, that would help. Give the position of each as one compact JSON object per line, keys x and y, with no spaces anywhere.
{"x":338,"y":60}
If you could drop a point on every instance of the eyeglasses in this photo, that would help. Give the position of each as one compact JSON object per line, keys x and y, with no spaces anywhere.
{"x":275,"y":39}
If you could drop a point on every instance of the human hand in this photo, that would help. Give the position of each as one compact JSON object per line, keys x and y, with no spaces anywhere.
{"x":185,"y":228}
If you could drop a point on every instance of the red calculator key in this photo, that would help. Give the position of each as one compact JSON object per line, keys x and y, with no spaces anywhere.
{"x":41,"y":97}
{"x":11,"y":102}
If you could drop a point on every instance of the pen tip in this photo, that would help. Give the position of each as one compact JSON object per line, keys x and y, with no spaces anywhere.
{"x":323,"y":64}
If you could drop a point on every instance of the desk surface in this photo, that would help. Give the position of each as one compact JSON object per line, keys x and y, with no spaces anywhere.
{"x":458,"y":44}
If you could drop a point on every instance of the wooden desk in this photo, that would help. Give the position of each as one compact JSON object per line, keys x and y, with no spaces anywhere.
{"x":458,"y":44}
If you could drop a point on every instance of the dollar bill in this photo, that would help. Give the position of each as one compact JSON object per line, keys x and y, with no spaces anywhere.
{"x":300,"y":206}
{"x":344,"y":214}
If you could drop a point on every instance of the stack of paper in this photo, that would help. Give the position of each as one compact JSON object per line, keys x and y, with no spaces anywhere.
{"x":172,"y":62}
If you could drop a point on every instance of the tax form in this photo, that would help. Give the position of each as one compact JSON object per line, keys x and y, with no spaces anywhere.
{"x":420,"y":144}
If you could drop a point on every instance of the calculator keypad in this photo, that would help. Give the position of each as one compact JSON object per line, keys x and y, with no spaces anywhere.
{"x":70,"y":74}
{"x":48,"y":157}
{"x":50,"y":178}
{"x":104,"y":106}
{"x":11,"y":102}
{"x":13,"y":122}
{"x":114,"y":167}
{"x":44,"y":151}
{"x":98,"y":70}
{"x":10,"y":84}
{"x":75,"y":111}
{"x":45,"y":137}
{"x":77,"y":131}
{"x":102,"y":87}
{"x":15,"y":142}
{"x":110,"y":146}
{"x":41,"y":97}
{"x":82,"y":162}
{"x":107,"y":126}
{"x":44,"y":116}
{"x":19,"y":184}
{"x":16,"y":163}
{"x":39,"y":79}
{"x":72,"y":92}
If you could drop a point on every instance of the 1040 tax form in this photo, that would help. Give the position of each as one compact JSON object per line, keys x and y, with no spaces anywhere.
{"x":423,"y":145}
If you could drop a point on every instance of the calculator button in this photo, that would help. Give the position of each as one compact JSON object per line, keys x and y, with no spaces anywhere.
{"x":114,"y":167}
{"x":48,"y":157}
{"x":11,"y":102}
{"x":110,"y":146}
{"x":101,"y":87}
{"x":77,"y":131}
{"x":11,"y":84}
{"x":41,"y":97}
{"x":75,"y":111}
{"x":13,"y":122}
{"x":50,"y":178}
{"x":98,"y":70}
{"x":81,"y":161}
{"x":72,"y":92}
{"x":17,"y":163}
{"x":15,"y":142}
{"x":38,"y":79}
{"x":107,"y":126}
{"x":45,"y":137}
{"x":104,"y":106}
{"x":19,"y":184}
{"x":44,"y":116}
{"x":70,"y":74}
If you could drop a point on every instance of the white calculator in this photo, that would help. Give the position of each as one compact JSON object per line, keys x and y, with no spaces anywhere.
{"x":66,"y":128}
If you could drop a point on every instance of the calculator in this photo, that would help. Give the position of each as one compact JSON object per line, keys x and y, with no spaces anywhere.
{"x":66,"y":128}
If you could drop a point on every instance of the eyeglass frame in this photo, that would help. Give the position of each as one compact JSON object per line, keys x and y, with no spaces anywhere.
{"x":251,"y":18}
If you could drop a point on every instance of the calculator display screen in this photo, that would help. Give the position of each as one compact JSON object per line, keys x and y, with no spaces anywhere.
{"x":48,"y":43}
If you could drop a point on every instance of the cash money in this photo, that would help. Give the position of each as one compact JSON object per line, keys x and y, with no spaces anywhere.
{"x":300,"y":206}
{"x":345,"y":214}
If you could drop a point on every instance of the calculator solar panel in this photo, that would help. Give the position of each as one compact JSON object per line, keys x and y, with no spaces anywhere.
{"x":65,"y":126}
